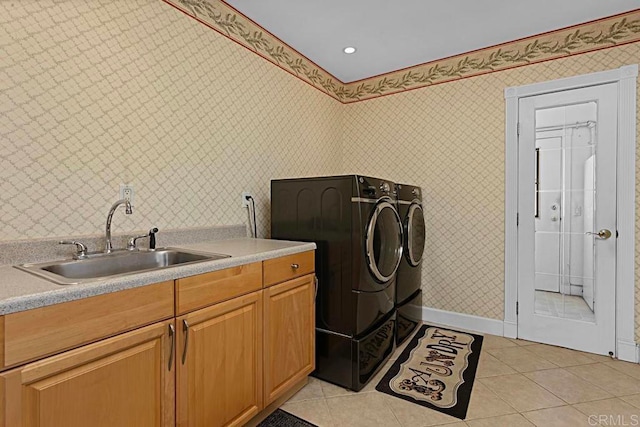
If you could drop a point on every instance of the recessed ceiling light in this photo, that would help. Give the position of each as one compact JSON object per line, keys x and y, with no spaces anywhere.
{"x":349,"y":50}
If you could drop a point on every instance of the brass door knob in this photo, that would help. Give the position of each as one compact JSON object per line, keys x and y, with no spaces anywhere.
{"x":603,"y":234}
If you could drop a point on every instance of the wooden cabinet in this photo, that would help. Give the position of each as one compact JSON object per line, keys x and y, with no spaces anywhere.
{"x":121,"y":381}
{"x":220,"y":363}
{"x":289,"y":335}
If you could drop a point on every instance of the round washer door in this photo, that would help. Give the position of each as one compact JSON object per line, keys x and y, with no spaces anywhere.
{"x":415,"y":234}
{"x":383,"y":242}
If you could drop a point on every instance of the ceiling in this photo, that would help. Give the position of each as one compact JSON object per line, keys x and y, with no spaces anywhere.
{"x":391,"y":35}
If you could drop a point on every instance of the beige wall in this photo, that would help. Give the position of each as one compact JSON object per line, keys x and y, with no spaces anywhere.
{"x":94,"y":94}
{"x":449,"y":139}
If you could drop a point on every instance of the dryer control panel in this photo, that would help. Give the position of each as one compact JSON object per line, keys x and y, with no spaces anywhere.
{"x":374,"y":188}
{"x":408,"y":193}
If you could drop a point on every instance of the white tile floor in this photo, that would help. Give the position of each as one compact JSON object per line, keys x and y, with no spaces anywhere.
{"x":565,"y":306}
{"x":518,"y":383}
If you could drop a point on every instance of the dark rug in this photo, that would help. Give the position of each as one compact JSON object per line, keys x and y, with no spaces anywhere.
{"x":280,"y":418}
{"x":436,"y":370}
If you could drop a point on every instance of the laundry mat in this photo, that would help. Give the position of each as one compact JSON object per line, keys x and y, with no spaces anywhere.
{"x":436,"y":370}
{"x":281,"y":418}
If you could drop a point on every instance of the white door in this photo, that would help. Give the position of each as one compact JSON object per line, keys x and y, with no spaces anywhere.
{"x":567,"y":218}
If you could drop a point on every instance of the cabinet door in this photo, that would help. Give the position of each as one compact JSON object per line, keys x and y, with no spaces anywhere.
{"x":220,"y":363}
{"x":126,"y":380}
{"x":289,"y":335}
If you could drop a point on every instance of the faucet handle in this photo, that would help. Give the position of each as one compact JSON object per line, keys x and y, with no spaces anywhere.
{"x":81,"y":248}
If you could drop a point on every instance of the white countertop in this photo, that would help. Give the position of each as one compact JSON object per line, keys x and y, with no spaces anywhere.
{"x":21,"y":291}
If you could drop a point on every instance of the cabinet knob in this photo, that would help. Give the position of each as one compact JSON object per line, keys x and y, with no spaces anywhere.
{"x":295,"y":266}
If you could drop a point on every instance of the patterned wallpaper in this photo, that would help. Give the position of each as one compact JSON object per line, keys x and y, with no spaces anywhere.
{"x":94,"y":94}
{"x":449,"y":139}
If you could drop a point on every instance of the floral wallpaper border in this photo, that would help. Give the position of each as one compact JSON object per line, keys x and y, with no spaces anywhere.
{"x":221,"y":17}
{"x":601,"y":34}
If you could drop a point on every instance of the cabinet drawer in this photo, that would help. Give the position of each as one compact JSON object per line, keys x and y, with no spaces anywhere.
{"x":206,"y":289}
{"x":36,"y":333}
{"x":288,"y":267}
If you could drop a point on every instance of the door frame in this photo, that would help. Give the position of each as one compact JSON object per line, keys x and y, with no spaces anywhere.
{"x":626,"y":78}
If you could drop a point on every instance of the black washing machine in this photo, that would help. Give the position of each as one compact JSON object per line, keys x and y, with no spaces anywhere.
{"x":355,"y":224}
{"x":409,"y":277}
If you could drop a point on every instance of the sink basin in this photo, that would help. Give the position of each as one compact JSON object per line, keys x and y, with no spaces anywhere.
{"x":116,"y":264}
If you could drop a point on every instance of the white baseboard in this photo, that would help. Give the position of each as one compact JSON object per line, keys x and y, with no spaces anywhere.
{"x":510,"y":329}
{"x":463,"y":321}
{"x":628,"y":351}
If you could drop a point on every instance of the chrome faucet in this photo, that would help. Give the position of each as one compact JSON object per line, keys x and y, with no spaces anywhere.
{"x":108,"y":248}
